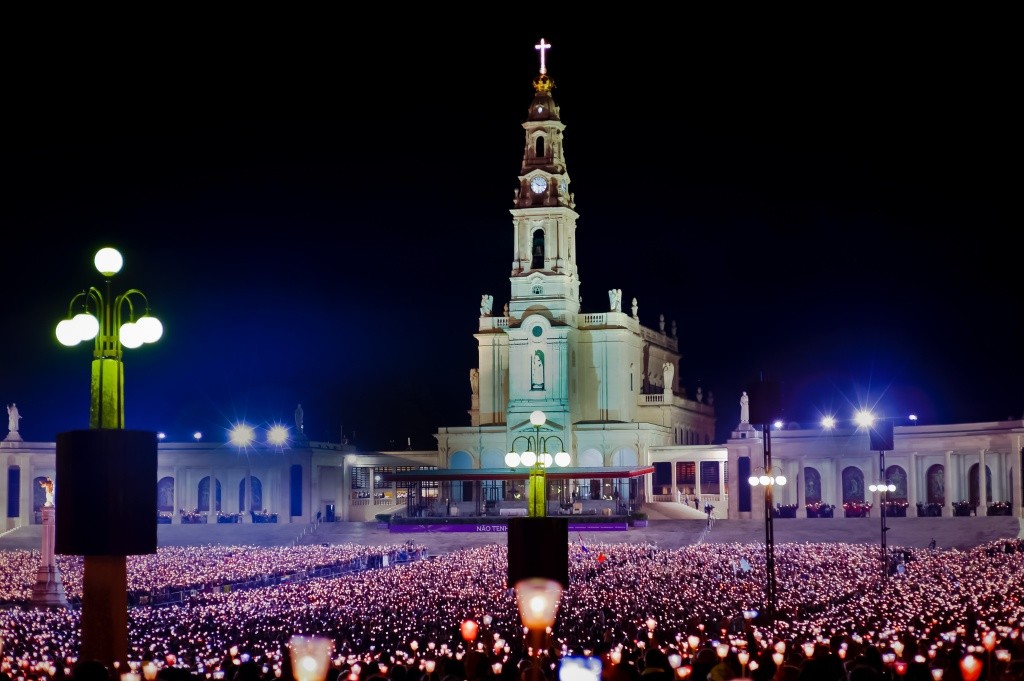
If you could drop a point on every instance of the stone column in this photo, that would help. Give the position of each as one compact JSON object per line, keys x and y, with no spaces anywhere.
{"x":912,"y":485}
{"x":675,"y":489}
{"x":982,"y":486}
{"x":947,"y":483}
{"x":178,"y":500}
{"x":1017,"y":479}
{"x":721,"y":482}
{"x":696,"y":485}
{"x":837,"y":482}
{"x":48,"y":589}
{"x":798,"y":479}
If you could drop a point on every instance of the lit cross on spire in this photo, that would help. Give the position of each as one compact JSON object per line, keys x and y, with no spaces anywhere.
{"x":540,"y":48}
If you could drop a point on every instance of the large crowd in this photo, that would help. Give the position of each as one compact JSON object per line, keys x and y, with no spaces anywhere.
{"x":697,"y":611}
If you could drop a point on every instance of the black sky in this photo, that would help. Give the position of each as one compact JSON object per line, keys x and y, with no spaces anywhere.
{"x":315,"y":210}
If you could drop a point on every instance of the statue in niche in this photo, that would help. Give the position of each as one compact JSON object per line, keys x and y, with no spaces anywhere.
{"x":474,"y":380}
{"x":537,"y":370}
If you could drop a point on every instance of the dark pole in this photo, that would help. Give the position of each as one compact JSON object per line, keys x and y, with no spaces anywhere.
{"x":769,"y":529}
{"x":885,"y":497}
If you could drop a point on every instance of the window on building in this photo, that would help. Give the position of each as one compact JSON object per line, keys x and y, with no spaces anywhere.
{"x":429,"y":484}
{"x":686,"y":476}
{"x":361,"y":477}
{"x":538,"y":250}
{"x":295,"y":489}
{"x":13,"y":491}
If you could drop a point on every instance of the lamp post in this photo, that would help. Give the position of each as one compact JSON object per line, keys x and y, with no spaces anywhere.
{"x":106,"y":409}
{"x":882,"y":489}
{"x":537,"y":458}
{"x":880,"y":438}
{"x":120,"y":459}
{"x":767,"y":480}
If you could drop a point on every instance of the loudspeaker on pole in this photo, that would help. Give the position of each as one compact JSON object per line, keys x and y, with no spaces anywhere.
{"x":765,"y":401}
{"x":881,"y":436}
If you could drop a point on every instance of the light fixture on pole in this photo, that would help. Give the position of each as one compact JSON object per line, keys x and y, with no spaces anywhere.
{"x":538,"y":460}
{"x":880,"y":436}
{"x":764,"y":405}
{"x":112,"y":333}
{"x":768,"y":479}
{"x":97,"y":468}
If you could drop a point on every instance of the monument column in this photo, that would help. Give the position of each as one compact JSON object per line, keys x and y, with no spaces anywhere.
{"x":48,"y":589}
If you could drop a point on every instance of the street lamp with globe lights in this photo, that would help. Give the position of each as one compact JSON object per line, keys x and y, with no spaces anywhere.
{"x":768,"y":479}
{"x":96,"y":466}
{"x":113,"y":327}
{"x":538,"y":460}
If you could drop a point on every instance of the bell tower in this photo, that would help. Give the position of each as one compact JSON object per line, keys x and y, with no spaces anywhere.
{"x":544,"y":274}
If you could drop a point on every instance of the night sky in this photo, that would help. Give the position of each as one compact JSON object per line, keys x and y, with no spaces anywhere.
{"x":314,"y":210}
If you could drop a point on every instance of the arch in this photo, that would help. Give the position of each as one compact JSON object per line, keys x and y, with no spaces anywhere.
{"x":165,"y":494}
{"x":204,"y":496}
{"x":38,"y":494}
{"x":853,"y":485}
{"x":974,"y":491}
{"x":537,"y":262}
{"x":460,"y":459}
{"x":590,"y":458}
{"x":257,"y":495}
{"x":491,"y":458}
{"x":624,"y":456}
{"x":896,"y":476}
{"x":935,"y":484}
{"x":812,"y":485}
{"x":539,"y":147}
{"x":620,"y":490}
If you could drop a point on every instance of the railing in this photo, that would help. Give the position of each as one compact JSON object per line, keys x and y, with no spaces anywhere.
{"x":655,"y":398}
{"x":716,"y":500}
{"x":493,"y":323}
{"x":659,"y":338}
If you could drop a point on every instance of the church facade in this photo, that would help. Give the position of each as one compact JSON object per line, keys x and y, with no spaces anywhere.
{"x":608,"y":388}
